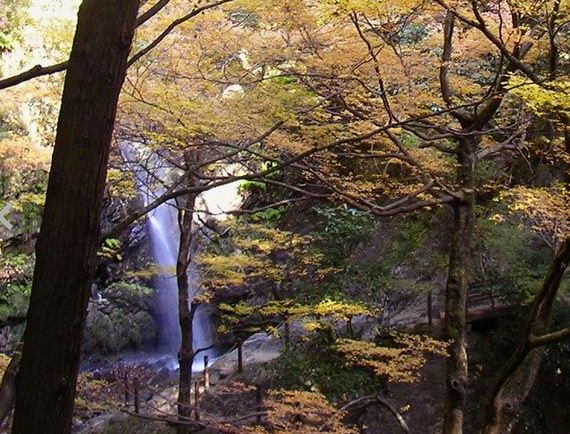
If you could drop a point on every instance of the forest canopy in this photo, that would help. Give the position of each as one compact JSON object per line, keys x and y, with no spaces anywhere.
{"x":284,"y":216}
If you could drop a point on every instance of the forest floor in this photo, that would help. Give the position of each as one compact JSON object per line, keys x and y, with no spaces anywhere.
{"x":106,"y":392}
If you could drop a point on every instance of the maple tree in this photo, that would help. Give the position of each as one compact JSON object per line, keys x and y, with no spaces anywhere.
{"x":458,"y":135}
{"x":399,"y":363}
{"x":300,"y":412}
{"x":421,"y":148}
{"x":389,"y":107}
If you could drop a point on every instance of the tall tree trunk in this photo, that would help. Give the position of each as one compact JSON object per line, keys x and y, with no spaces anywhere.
{"x":456,"y":291}
{"x":186,"y":307}
{"x":517,"y":376}
{"x":186,"y":310}
{"x":69,"y":237}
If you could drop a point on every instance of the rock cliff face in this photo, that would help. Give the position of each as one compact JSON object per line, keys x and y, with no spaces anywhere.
{"x":120,"y":317}
{"x":122,"y":313}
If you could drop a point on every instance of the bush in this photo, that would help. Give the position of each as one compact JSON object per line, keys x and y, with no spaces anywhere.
{"x":316,"y":366}
{"x":15,"y":286}
{"x":14,"y":300}
{"x":343,"y":229}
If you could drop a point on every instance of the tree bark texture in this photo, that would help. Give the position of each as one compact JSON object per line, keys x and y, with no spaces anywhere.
{"x":517,"y":376}
{"x":456,"y":290}
{"x":69,"y":237}
{"x":186,"y":307}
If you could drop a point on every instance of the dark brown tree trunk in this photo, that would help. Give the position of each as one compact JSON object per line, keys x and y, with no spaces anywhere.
{"x":186,"y":307}
{"x":8,"y":385}
{"x":456,"y":290}
{"x":186,"y":310}
{"x":517,"y":376}
{"x":69,"y":237}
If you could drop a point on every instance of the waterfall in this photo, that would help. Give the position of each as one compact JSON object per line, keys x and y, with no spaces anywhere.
{"x":164,"y":237}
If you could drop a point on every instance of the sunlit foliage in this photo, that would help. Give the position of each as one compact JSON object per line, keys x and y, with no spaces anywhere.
{"x":400,"y":362}
{"x":294,"y":412}
{"x":258,"y":254}
{"x":545,"y":210}
{"x":320,"y":315}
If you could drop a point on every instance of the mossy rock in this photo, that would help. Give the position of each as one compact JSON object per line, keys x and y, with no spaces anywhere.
{"x":124,"y":424}
{"x":117,"y":330}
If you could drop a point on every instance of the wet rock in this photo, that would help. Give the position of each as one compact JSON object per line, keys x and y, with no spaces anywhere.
{"x":115,"y":423}
{"x":120,"y":317}
{"x":232,"y":294}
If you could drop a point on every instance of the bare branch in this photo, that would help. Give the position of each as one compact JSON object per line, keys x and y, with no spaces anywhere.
{"x":35,"y":72}
{"x":446,"y":91}
{"x":371,"y":400}
{"x":550,"y":338}
{"x":151,"y":12}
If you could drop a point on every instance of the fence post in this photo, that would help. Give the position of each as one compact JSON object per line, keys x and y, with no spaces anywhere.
{"x":240,"y":356}
{"x":137,"y":403}
{"x":259,"y":399}
{"x":206,"y":374}
{"x":287,"y":333}
{"x":429,"y":309}
{"x":127,"y":393}
{"x":196,"y":399}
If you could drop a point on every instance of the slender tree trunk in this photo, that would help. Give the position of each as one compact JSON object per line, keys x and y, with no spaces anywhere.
{"x":69,"y":237}
{"x":186,"y":310}
{"x":517,"y":376}
{"x":186,"y":307}
{"x":456,"y":291}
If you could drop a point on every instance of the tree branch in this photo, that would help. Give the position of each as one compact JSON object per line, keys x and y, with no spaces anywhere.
{"x":151,"y":12}
{"x":171,"y":27}
{"x":481,"y":25}
{"x":370,"y":400}
{"x":172,"y":192}
{"x":35,"y":72}
{"x":446,"y":91}
{"x":549,"y":338}
{"x":40,"y":71}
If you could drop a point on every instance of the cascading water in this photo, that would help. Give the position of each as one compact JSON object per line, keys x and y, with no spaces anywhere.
{"x":164,"y":236}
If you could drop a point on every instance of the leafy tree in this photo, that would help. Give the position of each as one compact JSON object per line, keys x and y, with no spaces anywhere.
{"x":399,"y":363}
{"x":11,"y":24}
{"x":300,"y":412}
